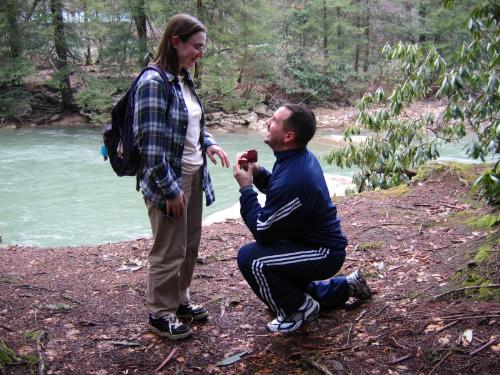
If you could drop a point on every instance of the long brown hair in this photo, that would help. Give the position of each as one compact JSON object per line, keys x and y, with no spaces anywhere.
{"x":182,"y":25}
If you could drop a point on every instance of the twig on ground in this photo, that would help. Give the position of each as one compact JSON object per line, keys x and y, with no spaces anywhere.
{"x":360,"y":315}
{"x":463,"y":315}
{"x":489,"y":343}
{"x":475,"y":317}
{"x":466,"y":288}
{"x":318,"y":366}
{"x":380,"y":225}
{"x":349,"y":334}
{"x":401,"y":359}
{"x":164,"y":363}
{"x":222,"y":308}
{"x":441,"y":361}
{"x":353,"y":259}
{"x":379,"y":312}
{"x":447,"y":326}
{"x":42,"y":337}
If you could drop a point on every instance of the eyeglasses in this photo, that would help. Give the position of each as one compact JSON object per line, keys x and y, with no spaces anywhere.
{"x":200,"y":47}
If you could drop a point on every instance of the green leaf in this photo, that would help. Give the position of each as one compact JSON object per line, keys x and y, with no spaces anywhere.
{"x":232,"y":359}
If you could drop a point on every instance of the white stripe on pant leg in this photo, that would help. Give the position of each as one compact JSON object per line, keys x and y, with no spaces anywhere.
{"x":266,"y":292}
{"x":264,"y":287}
{"x":262,"y":282}
{"x":282,"y":259}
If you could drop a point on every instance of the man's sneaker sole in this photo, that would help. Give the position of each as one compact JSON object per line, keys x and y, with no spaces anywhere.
{"x":170,"y":336}
{"x":311,"y":316}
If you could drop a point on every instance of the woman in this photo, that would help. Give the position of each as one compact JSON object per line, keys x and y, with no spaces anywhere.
{"x":169,"y":129}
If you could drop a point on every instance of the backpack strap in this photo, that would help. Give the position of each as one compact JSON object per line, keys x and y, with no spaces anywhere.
{"x":168,"y":90}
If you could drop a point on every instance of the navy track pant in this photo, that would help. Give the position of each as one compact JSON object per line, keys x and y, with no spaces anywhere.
{"x":281,"y":273}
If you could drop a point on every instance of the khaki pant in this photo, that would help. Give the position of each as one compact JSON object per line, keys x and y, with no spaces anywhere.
{"x":175,"y":250}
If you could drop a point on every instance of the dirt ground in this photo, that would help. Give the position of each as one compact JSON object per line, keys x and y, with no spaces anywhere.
{"x":74,"y":308}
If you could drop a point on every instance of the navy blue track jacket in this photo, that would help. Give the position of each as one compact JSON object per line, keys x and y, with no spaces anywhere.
{"x":298,"y":205}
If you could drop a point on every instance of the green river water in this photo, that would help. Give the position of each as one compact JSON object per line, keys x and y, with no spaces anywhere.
{"x":56,"y":190}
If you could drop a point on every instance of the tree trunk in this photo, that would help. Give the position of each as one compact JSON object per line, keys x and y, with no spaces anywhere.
{"x":358,"y":45}
{"x":340,"y":44}
{"x":62,"y":55}
{"x":421,"y":14}
{"x":367,"y":40}
{"x":14,"y":38}
{"x":88,"y":55}
{"x":325,"y":32}
{"x":140,"y":20}
{"x":198,"y":68}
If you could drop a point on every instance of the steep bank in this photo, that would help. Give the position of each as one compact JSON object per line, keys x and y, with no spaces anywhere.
{"x":417,"y":245}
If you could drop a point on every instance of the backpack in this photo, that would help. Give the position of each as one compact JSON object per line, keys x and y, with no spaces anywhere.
{"x":118,"y":137}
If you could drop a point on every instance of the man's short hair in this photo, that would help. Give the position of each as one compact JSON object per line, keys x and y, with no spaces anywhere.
{"x":302,"y":122}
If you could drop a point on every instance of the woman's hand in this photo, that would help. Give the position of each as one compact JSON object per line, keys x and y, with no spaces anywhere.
{"x":217,"y":150}
{"x":175,"y":206}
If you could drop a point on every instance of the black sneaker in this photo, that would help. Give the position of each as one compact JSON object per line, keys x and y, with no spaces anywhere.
{"x":192,"y":312}
{"x":358,"y":287}
{"x":169,"y":326}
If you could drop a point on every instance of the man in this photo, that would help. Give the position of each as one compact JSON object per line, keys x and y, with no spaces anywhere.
{"x":297,"y":233}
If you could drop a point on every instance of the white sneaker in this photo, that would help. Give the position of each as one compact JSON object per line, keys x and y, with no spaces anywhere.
{"x":358,"y":287}
{"x":307,"y":312}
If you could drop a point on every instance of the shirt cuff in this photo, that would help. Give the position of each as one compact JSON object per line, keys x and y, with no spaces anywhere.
{"x":246,"y":188}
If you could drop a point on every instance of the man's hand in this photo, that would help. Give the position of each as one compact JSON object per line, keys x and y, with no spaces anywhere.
{"x":242,"y":175}
{"x":175,"y":206}
{"x":217,"y":150}
{"x":243,"y":160}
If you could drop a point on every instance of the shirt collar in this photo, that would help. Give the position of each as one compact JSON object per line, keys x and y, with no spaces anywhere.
{"x":281,"y":155}
{"x":172,"y":77}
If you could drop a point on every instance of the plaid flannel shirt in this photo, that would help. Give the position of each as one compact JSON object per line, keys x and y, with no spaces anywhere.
{"x":160,"y":137}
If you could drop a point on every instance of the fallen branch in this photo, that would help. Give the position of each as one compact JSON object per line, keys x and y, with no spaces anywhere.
{"x":164,"y":363}
{"x":447,"y":326}
{"x":422,"y":291}
{"x":318,"y":366}
{"x":349,"y":335}
{"x":360,"y":316}
{"x":466,"y":288}
{"x":401,"y":359}
{"x":379,"y":312}
{"x":475,"y":317}
{"x":441,"y":361}
{"x":489,"y":343}
{"x":42,"y":337}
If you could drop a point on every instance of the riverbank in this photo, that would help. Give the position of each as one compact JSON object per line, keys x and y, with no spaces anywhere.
{"x":81,"y":309}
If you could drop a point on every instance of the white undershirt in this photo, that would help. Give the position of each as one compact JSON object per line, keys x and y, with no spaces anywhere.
{"x":191,"y":158}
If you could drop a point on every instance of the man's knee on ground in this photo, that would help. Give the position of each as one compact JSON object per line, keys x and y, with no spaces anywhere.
{"x":245,"y":257}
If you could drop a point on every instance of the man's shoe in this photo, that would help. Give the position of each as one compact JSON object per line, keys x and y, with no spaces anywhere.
{"x":169,"y":326}
{"x":192,"y":312}
{"x":358,"y":287}
{"x":307,"y":312}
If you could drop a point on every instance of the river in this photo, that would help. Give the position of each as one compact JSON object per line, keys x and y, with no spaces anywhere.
{"x":56,"y":190}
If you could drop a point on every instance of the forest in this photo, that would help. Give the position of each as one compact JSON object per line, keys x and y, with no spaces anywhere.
{"x":424,"y":231}
{"x":80,"y":56}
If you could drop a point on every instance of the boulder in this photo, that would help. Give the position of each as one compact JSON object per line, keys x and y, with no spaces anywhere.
{"x":260,"y":109}
{"x":226,"y":124}
{"x":251,"y":117}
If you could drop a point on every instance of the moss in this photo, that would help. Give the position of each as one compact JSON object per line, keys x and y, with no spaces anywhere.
{"x":372,"y":245}
{"x":395,"y":191}
{"x":484,"y":222}
{"x":483,"y":253}
{"x":465,"y":172}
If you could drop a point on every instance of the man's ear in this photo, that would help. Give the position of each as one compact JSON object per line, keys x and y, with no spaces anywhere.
{"x":175,"y":41}
{"x":289,"y":138}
